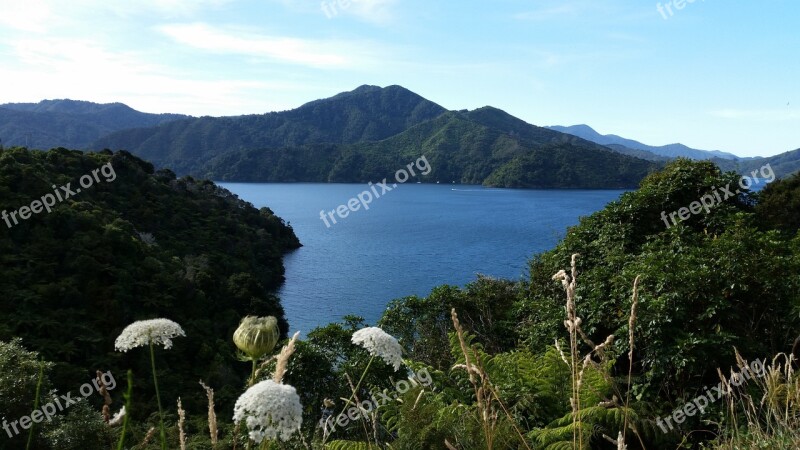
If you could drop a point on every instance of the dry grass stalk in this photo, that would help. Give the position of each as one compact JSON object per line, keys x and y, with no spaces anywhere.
{"x":772,"y":420}
{"x":283,"y":359}
{"x":573,"y":323}
{"x":486,"y":410}
{"x":212,"y":416}
{"x":181,"y":423}
{"x":106,"y":397}
{"x":631,"y":325}
{"x":578,"y":363}
{"x":487,"y":416}
{"x":148,"y":437}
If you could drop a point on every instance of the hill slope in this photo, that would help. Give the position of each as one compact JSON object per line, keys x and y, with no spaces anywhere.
{"x":136,"y":245}
{"x":368,"y":113}
{"x":484,"y":146}
{"x":69,"y":123}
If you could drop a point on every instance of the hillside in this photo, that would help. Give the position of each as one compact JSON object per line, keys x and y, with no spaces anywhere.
{"x":669,"y":151}
{"x":368,"y":133}
{"x":69,"y":123}
{"x":484,"y":146}
{"x":784,"y":164}
{"x":137,"y":244}
{"x":368,"y":113}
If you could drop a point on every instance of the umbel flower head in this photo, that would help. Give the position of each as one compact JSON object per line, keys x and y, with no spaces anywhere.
{"x":380,"y":343}
{"x":143,"y":332}
{"x":270,"y":410}
{"x":257,"y":336}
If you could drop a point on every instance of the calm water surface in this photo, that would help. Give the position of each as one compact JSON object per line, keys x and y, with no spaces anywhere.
{"x":412,"y":239}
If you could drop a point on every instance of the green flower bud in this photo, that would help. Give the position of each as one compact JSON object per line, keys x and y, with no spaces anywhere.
{"x":256,"y":336}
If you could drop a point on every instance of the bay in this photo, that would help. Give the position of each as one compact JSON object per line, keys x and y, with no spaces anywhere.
{"x":411,"y":239}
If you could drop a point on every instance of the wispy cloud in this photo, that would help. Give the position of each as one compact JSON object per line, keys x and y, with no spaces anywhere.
{"x":550,"y":12}
{"x":763,"y":115}
{"x":379,"y":12}
{"x":81,"y":69}
{"x":585,"y":10}
{"x":308,"y":52}
{"x":374,"y":11}
{"x":30,"y":15}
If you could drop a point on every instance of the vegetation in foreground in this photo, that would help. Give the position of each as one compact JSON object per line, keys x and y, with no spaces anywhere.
{"x":645,"y":320}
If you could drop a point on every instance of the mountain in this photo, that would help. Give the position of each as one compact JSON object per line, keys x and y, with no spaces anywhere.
{"x":369,"y":133}
{"x":669,"y":151}
{"x":484,"y":146}
{"x":368,"y":113}
{"x":69,"y":123}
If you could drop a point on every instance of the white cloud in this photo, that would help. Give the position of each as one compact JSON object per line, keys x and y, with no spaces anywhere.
{"x":168,"y":8}
{"x":315,"y":53}
{"x":29,"y":15}
{"x":373,"y":11}
{"x":80,"y":69}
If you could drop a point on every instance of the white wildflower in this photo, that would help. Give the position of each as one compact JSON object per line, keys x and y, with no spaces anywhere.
{"x":379,"y":343}
{"x":143,"y":332}
{"x":270,"y":410}
{"x":117,"y":419}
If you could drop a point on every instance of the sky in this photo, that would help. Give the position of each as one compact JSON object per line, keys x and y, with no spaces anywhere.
{"x":711,"y":74}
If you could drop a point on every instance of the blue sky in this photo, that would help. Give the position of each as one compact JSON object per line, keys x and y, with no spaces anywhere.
{"x":713,"y":74}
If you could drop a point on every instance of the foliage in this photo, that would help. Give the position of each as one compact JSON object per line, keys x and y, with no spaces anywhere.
{"x":74,"y":278}
{"x":422,"y":324}
{"x":78,"y":426}
{"x":779,"y":205}
{"x":709,"y":284}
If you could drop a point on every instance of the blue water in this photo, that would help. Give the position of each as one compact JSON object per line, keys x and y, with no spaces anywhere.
{"x":411,"y":239}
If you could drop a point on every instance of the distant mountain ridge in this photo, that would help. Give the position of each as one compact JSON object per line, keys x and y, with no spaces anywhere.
{"x":69,"y":123}
{"x":358,"y":136}
{"x":368,"y":113}
{"x":669,"y":151}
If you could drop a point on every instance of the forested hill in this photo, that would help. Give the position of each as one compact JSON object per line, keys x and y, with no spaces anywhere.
{"x":69,"y":123}
{"x":368,"y":113}
{"x":136,"y":244}
{"x":369,"y":133}
{"x":484,"y":146}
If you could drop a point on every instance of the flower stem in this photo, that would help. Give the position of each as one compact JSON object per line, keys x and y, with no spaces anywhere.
{"x":127,"y":396}
{"x":36,"y":403}
{"x":158,"y":398}
{"x":252,"y":375}
{"x":358,"y":385}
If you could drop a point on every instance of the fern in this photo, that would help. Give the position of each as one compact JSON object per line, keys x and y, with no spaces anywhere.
{"x":349,"y":445}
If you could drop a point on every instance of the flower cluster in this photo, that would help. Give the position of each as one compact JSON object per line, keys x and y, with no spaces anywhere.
{"x":145,"y":332}
{"x":270,"y":410}
{"x":379,"y":343}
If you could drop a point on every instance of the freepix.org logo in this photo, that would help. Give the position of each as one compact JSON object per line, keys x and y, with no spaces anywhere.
{"x":61,"y":193}
{"x":364,"y":199}
{"x":59,"y":404}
